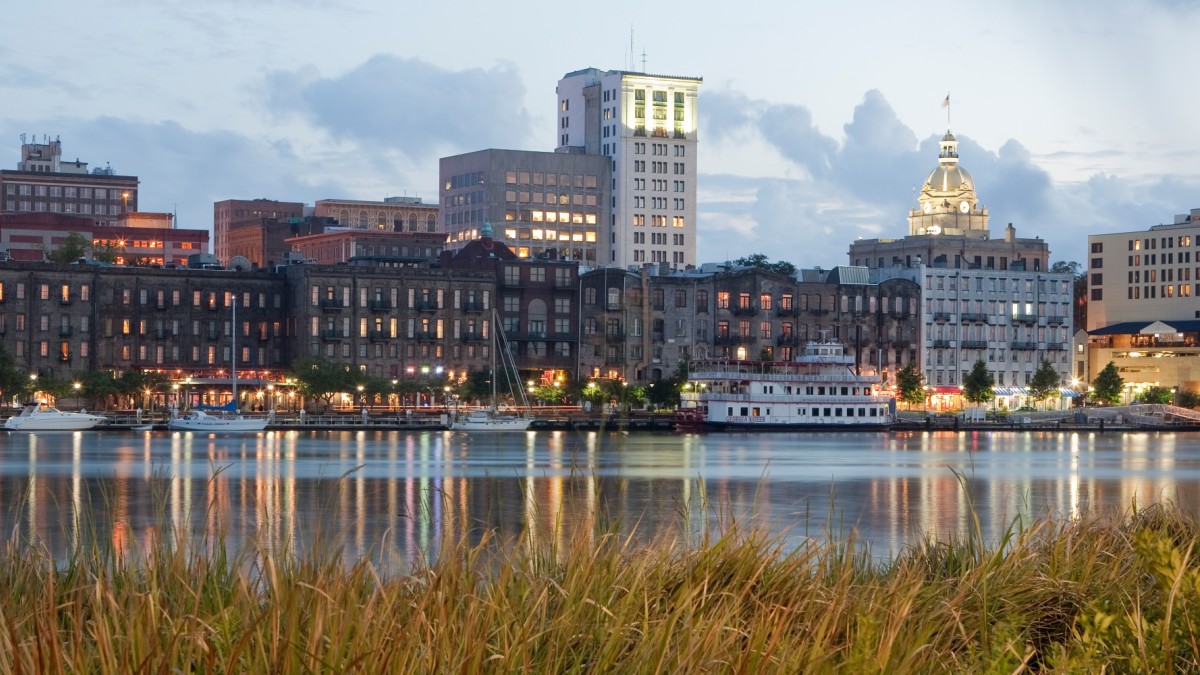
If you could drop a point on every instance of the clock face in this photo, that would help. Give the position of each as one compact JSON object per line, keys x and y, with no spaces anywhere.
{"x":928,"y":207}
{"x":964,"y":207}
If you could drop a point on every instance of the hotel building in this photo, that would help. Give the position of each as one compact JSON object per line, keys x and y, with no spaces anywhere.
{"x":647,"y":127}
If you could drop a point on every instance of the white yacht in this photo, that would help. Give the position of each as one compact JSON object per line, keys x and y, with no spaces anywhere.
{"x":38,"y":417}
{"x":492,"y":418}
{"x":819,"y":389}
{"x":198,"y":420}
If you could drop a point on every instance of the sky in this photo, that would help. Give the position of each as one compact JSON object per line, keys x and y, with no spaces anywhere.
{"x":817,"y":123}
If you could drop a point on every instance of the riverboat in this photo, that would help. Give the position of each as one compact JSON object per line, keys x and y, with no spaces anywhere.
{"x":822,"y":388}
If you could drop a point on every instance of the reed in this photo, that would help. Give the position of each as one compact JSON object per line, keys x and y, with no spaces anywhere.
{"x":1098,"y":593}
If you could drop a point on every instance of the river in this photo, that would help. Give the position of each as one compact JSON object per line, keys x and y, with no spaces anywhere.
{"x":396,"y":496}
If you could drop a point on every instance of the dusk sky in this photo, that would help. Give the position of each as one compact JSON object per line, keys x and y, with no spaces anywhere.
{"x":816,"y":122}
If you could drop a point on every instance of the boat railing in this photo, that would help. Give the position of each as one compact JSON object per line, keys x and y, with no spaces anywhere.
{"x":780,"y":377}
{"x":710,"y":396}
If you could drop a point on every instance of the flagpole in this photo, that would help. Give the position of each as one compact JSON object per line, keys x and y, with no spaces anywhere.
{"x":946,"y":105}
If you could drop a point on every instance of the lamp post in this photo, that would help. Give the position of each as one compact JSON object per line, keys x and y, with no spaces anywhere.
{"x":125,"y":202}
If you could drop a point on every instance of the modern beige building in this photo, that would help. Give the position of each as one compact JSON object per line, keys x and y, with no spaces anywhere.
{"x":647,"y":126}
{"x":985,"y":299}
{"x":1144,"y":304}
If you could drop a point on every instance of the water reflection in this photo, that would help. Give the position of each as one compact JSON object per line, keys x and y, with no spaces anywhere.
{"x":397,"y":496}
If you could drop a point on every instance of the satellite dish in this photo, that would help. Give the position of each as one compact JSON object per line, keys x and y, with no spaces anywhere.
{"x":240,"y":263}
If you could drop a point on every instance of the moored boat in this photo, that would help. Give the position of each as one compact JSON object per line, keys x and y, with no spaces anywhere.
{"x":198,"y":420}
{"x":38,"y":417}
{"x":819,"y":389}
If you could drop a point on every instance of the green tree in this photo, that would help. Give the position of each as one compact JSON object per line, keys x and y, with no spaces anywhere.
{"x":1156,"y":395}
{"x":98,"y":387}
{"x":1108,"y":385}
{"x":1079,"y":290}
{"x":548,"y":394}
{"x":977,"y":385}
{"x":910,"y":385}
{"x":761,"y":261}
{"x":14,"y":382}
{"x":1188,"y":399}
{"x":321,"y":379}
{"x":476,"y":387}
{"x":107,"y":253}
{"x":1045,"y":381}
{"x":73,"y":247}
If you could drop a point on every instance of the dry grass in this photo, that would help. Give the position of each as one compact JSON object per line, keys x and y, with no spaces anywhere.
{"x":1099,"y":593}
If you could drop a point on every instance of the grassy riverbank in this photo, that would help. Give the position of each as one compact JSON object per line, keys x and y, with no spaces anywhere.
{"x":1097,"y":593}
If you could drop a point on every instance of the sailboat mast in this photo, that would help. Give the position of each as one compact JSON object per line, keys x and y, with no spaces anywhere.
{"x":233,"y":363}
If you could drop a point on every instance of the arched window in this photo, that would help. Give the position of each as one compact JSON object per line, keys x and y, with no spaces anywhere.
{"x":362,"y":219}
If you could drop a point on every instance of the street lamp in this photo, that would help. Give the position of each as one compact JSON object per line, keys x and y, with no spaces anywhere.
{"x":125,"y":201}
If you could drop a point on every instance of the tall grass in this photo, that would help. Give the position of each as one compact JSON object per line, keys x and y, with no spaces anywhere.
{"x":1100,"y":593}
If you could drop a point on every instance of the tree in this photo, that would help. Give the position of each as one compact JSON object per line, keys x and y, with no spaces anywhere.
{"x":1156,"y":395}
{"x":107,"y":253}
{"x":760,"y":261}
{"x":1108,"y":385}
{"x":1079,"y":288}
{"x":14,"y":382}
{"x":73,"y":247}
{"x":477,"y":386}
{"x":977,"y":385}
{"x":548,"y":394}
{"x":1188,"y":399}
{"x":910,"y":385}
{"x":319,"y":378}
{"x":1045,"y":381}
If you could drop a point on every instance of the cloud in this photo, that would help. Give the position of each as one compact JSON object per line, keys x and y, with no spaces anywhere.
{"x":408,"y":105}
{"x":862,"y":186}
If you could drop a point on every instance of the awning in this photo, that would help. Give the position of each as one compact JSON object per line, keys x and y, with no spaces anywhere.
{"x":1010,"y":391}
{"x":1149,"y":327}
{"x":1067,"y":393}
{"x":945,"y":390}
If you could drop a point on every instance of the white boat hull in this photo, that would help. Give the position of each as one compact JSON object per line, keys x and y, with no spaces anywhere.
{"x":490,"y":422}
{"x":203,"y":422}
{"x":48,"y":419}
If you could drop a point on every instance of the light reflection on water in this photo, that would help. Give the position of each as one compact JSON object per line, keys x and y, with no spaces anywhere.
{"x":396,"y":496}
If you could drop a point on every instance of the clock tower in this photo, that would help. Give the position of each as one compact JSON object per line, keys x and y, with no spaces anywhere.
{"x":947,"y":203}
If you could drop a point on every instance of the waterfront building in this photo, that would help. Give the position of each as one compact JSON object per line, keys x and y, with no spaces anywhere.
{"x":1143,"y":313}
{"x":536,"y":300}
{"x":44,"y":182}
{"x":391,"y":323}
{"x":266,"y":241}
{"x":985,"y":299}
{"x":62,"y":321}
{"x":640,"y":325}
{"x":141,"y":238}
{"x":647,"y":126}
{"x":536,"y":202}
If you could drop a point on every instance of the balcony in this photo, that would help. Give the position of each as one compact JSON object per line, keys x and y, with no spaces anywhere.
{"x":331,"y":305}
{"x":732,"y":339}
{"x":974,"y":344}
{"x":614,"y":337}
{"x":1056,"y":347}
{"x":901,"y":344}
{"x":941,"y":344}
{"x":528,"y":336}
{"x":941,"y":317}
{"x":378,"y":335}
{"x":64,"y":331}
{"x":818,"y":311}
{"x":744,"y":310}
{"x":786,"y":311}
{"x":425,"y":335}
{"x":1023,"y":346}
{"x":1054,"y":320}
{"x":214,"y":335}
{"x":787,"y":339}
{"x":380,"y":305}
{"x":473,"y":337}
{"x":161,"y":333}
{"x":976,"y":317}
{"x":65,"y":357}
{"x":64,"y":301}
{"x":473,"y":307}
{"x":1024,"y":318}
{"x":332,"y":335}
{"x":160,"y":306}
{"x":427,"y":306}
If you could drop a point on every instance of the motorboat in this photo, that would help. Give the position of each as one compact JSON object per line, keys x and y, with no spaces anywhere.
{"x":198,"y":420}
{"x":38,"y":417}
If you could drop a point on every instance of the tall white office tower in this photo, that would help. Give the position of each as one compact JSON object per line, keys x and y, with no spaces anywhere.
{"x":647,"y":126}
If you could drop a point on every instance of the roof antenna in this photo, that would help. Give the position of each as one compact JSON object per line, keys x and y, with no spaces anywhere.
{"x":643,"y":59}
{"x":630,"y":63}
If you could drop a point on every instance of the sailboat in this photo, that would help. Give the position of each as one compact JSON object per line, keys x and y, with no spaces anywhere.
{"x":199,"y":420}
{"x":490,"y":418}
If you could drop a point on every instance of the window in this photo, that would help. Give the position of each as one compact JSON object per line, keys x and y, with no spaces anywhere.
{"x":1097,"y":263}
{"x":1097,"y":294}
{"x":722,"y":299}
